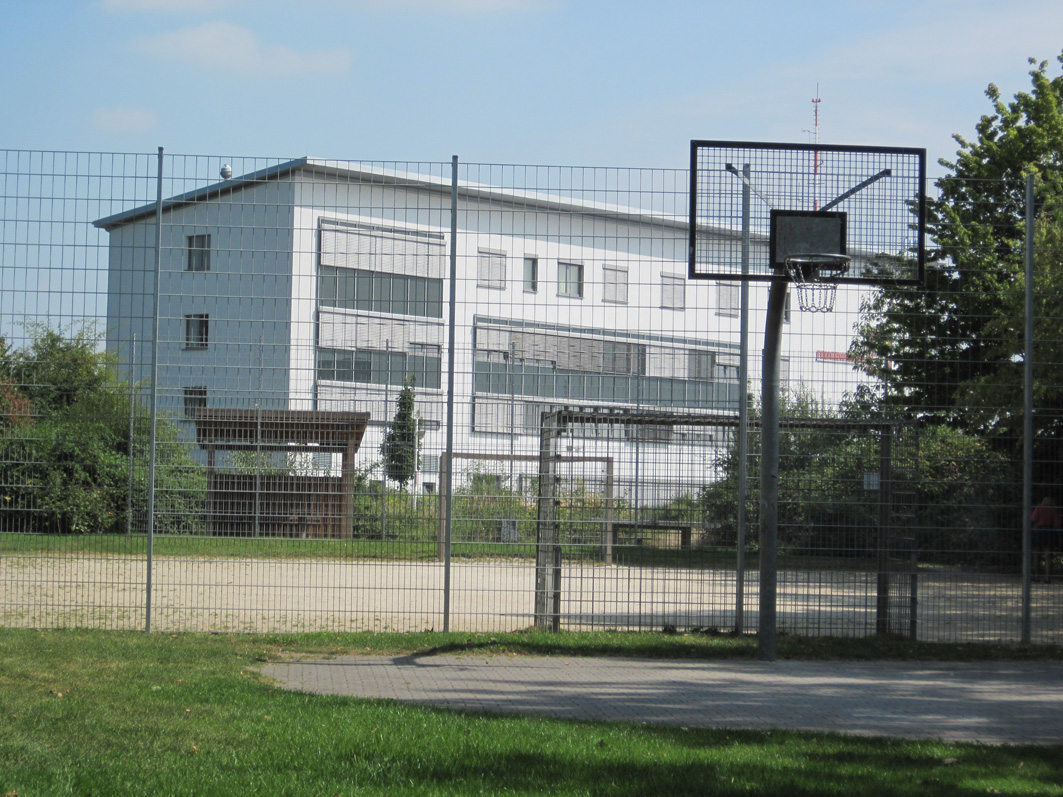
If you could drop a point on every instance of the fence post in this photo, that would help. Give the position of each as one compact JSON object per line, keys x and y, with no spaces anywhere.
{"x":444,"y":506}
{"x":607,"y":533}
{"x":743,"y":413}
{"x":547,"y":568}
{"x":132,"y":432}
{"x":1027,"y":424}
{"x":913,"y":593}
{"x":154,"y":393}
{"x":885,"y":487}
{"x":448,"y":520}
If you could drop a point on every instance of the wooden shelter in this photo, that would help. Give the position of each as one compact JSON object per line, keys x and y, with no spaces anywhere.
{"x":264,"y":504}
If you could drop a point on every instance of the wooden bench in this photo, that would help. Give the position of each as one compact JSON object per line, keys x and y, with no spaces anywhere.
{"x":629,"y":531}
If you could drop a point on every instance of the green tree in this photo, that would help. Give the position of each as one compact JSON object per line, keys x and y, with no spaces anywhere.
{"x":950,"y":352}
{"x":15,"y":409}
{"x":399,"y":448}
{"x":928,"y":344}
{"x":804,"y":457}
{"x":963,"y":480}
{"x":1002,"y":388}
{"x":945,"y":485}
{"x":58,"y":369}
{"x":65,"y":448}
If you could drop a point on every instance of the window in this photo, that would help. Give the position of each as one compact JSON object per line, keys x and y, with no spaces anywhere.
{"x":531,"y":275}
{"x":424,"y":362}
{"x":335,"y":364}
{"x":195,"y":399}
{"x":786,"y":308}
{"x":385,"y":367}
{"x":376,"y":367}
{"x":728,"y":299}
{"x":570,"y":280}
{"x":491,"y":269}
{"x":615,"y":279}
{"x":197,"y":331}
{"x":700,"y":364}
{"x":198,"y":253}
{"x":673,"y":292}
{"x":379,"y":292}
{"x":623,"y":358}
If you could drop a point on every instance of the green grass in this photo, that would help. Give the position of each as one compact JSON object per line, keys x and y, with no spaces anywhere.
{"x":390,"y":549}
{"x":221,"y":547}
{"x":127,"y":713}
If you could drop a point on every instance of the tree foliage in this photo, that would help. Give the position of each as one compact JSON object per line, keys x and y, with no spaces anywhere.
{"x":928,"y":344}
{"x":945,"y":485}
{"x":821,"y":468}
{"x":950,"y":352}
{"x":399,"y":448}
{"x":65,"y":446}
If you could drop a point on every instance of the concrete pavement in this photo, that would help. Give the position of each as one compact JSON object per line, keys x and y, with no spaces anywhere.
{"x":990,"y":702}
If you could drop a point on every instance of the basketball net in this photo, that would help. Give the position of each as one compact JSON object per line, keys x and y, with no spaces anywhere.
{"x":814,"y":277}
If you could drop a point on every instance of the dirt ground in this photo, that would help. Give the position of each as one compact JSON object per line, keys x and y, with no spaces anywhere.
{"x":199,"y":594}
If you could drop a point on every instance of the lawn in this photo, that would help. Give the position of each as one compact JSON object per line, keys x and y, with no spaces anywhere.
{"x":416,"y":550}
{"x":88,"y":712}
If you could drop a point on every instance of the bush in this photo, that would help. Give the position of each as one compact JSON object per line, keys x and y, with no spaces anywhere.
{"x":65,"y":446}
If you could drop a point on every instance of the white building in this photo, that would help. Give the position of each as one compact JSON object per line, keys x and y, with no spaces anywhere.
{"x":322,"y":285}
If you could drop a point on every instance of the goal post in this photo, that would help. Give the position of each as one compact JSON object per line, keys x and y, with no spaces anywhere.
{"x":883,"y":494}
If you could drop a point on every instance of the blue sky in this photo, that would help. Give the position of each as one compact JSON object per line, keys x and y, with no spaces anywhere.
{"x":559,"y":82}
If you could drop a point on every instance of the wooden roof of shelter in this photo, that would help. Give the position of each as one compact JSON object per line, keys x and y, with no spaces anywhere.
{"x":280,"y":430}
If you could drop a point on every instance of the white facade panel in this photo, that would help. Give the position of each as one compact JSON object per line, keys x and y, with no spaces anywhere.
{"x":268,"y":325}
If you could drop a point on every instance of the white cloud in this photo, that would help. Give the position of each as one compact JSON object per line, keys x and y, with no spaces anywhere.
{"x":228,"y":47}
{"x":124,"y":6}
{"x":981,"y":41}
{"x":123,"y":120}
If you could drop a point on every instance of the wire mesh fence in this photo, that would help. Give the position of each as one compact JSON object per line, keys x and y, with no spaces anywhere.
{"x":265,"y":395}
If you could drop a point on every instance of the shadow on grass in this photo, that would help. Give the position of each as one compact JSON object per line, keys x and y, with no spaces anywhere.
{"x":706,"y":644}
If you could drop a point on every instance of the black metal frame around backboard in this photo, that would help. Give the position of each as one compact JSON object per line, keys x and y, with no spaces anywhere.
{"x":879,"y":192}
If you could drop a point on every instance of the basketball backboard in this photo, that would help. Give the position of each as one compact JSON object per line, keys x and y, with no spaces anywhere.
{"x":754,"y":205}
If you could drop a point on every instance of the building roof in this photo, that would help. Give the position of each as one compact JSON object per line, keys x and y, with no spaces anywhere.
{"x":280,"y":430}
{"x":360,"y":173}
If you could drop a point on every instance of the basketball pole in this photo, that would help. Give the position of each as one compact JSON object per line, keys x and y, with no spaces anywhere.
{"x":807,"y":248}
{"x":769,"y":468}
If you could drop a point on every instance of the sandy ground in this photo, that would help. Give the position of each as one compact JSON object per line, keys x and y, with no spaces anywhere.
{"x":199,"y":594}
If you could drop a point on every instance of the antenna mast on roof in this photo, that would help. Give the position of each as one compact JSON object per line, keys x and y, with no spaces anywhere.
{"x":815,"y":140}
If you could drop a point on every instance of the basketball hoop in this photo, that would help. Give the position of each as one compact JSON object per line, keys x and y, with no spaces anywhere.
{"x":815,"y":276}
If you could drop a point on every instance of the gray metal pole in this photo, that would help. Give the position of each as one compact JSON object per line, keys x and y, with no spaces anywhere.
{"x":1027,"y":426}
{"x":512,"y":386}
{"x":259,"y":464}
{"x":154,"y":393}
{"x":743,"y":413}
{"x":132,"y":431}
{"x":882,"y":599}
{"x":258,"y":467}
{"x":547,"y":567}
{"x":384,"y":464}
{"x":769,"y":468}
{"x":452,"y":326}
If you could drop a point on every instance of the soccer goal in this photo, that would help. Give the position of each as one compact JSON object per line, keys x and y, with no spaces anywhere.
{"x":845,"y":520}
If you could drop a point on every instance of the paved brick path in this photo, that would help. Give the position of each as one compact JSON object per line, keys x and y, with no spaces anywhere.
{"x":997,"y":702}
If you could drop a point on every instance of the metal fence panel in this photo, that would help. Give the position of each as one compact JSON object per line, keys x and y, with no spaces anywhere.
{"x":307,"y":468}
